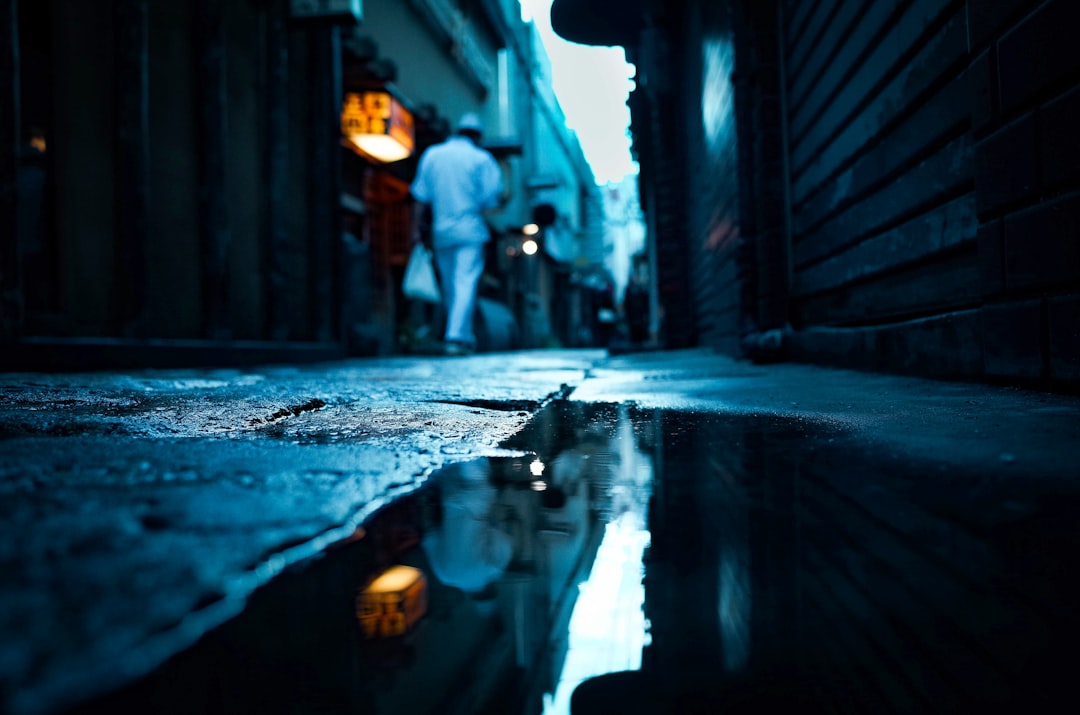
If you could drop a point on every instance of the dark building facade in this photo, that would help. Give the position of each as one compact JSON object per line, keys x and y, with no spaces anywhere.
{"x":170,"y":172}
{"x":892,"y":186}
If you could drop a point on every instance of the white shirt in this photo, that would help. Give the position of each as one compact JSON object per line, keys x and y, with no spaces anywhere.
{"x":460,"y":181}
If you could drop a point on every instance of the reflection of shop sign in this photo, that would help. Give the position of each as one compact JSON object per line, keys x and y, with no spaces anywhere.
{"x":377,"y":125}
{"x":392,"y":603}
{"x":349,"y":10}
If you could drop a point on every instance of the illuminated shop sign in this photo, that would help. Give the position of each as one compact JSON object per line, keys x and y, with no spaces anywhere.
{"x":377,"y":126}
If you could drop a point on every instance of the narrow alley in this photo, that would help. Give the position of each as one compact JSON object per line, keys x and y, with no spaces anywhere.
{"x":539,"y":357}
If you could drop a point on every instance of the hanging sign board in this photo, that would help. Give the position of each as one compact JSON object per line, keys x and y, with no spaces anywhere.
{"x":344,"y":11}
{"x":377,"y":125}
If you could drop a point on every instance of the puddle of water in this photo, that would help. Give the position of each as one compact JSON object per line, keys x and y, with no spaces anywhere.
{"x":651,"y":561}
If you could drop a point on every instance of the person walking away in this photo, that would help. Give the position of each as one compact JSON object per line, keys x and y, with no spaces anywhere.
{"x":461,"y":182}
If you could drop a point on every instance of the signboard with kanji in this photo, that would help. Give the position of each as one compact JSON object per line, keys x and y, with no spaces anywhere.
{"x":377,"y":125}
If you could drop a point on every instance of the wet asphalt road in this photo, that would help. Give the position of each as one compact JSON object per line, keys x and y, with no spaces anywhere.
{"x":141,"y":509}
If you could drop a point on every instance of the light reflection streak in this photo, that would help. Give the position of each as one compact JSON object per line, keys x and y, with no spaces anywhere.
{"x":608,"y":629}
{"x":717,"y":96}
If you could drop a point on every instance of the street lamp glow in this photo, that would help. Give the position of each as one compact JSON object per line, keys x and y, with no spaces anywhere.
{"x":530,"y":229}
{"x":530,"y":247}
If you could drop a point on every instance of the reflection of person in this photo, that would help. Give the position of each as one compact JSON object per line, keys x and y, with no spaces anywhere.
{"x":468,"y":550}
{"x":460,"y":181}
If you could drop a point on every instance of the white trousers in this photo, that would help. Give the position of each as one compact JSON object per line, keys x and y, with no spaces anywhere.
{"x":460,"y":267}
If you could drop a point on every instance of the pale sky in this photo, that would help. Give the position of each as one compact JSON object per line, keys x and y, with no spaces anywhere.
{"x":592,"y":84}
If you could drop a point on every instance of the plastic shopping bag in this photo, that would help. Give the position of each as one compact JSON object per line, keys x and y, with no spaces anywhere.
{"x":420,"y":282}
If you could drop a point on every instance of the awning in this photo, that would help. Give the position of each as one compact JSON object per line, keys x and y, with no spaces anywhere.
{"x":598,"y":22}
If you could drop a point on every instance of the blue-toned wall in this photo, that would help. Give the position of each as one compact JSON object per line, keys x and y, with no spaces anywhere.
{"x":934,"y":176}
{"x":893,"y":185}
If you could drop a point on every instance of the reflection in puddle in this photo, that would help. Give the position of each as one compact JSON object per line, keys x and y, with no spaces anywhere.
{"x":647,"y":561}
{"x":535,"y":566}
{"x":607,"y":629}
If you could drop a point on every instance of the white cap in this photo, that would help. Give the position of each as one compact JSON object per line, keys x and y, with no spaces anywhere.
{"x":470,"y":122}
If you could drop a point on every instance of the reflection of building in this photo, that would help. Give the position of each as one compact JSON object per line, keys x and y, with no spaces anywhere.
{"x":608,"y":629}
{"x":721,"y":577}
{"x":779,"y":575}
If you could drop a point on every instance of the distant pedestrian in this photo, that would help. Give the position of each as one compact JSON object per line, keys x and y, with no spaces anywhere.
{"x":605,"y":315}
{"x":636,"y":303}
{"x":461,"y":182}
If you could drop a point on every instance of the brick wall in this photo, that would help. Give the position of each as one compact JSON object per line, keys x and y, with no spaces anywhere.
{"x":934,"y":175}
{"x":1025,"y":122}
